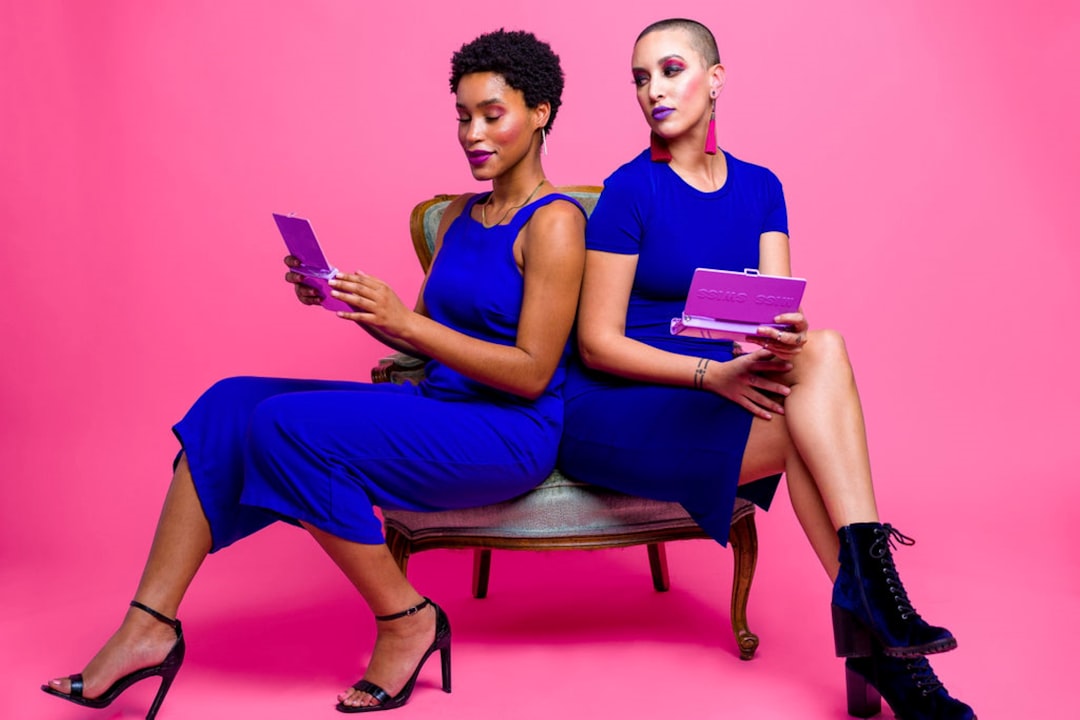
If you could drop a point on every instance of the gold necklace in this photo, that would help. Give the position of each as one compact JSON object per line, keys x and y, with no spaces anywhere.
{"x":483,"y":207}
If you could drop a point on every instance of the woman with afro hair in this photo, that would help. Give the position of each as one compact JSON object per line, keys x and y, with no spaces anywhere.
{"x":493,"y":317}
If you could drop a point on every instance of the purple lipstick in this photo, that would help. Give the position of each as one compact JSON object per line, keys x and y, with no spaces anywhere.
{"x":661,"y":111}
{"x":478,"y":157}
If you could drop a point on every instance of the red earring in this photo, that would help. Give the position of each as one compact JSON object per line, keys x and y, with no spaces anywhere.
{"x":658,"y":149}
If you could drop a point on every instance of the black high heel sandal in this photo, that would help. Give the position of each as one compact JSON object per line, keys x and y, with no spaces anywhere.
{"x":167,"y":670}
{"x":440,"y":643}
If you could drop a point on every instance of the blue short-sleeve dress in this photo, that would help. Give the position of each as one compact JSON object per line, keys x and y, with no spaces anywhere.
{"x":326,"y":452}
{"x":660,"y":441}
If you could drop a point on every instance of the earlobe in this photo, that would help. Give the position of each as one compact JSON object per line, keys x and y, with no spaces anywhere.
{"x":543,"y":112}
{"x":716,"y":84}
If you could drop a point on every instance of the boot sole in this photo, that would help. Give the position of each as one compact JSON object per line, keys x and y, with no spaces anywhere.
{"x":852,"y":638}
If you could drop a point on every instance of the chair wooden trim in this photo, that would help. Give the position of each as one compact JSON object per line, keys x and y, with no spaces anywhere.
{"x":416,"y":229}
{"x":404,"y":541}
{"x":743,"y":541}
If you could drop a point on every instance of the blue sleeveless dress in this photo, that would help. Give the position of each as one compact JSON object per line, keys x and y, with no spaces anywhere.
{"x":327,"y":452}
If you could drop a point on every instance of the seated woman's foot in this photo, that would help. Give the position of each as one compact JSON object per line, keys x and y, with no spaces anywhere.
{"x":399,"y":648}
{"x":140,"y":642}
{"x":911,"y":688}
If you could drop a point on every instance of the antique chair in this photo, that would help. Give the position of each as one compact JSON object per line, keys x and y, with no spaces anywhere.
{"x":561,"y":513}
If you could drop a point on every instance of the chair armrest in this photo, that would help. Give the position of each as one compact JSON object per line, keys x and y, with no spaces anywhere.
{"x":399,"y":368}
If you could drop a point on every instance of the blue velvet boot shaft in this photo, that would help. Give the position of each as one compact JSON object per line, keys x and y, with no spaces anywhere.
{"x":909,"y":685}
{"x":869,"y":602}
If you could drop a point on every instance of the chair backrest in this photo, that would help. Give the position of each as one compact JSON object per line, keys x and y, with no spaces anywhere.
{"x":425,"y":217}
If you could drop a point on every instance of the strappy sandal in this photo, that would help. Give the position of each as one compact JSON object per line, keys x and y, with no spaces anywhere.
{"x":166,"y":670}
{"x":440,"y":643}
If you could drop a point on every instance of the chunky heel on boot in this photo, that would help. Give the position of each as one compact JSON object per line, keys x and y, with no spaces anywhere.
{"x":909,"y":685}
{"x":863,"y":699}
{"x":440,"y":643}
{"x":851,"y":637}
{"x":166,"y":671}
{"x":868,"y":593}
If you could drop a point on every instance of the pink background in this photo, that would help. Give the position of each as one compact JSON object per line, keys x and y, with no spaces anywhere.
{"x":929,"y":154}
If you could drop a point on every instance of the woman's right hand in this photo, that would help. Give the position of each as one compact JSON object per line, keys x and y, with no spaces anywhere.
{"x":304,"y":293}
{"x":743,"y":381}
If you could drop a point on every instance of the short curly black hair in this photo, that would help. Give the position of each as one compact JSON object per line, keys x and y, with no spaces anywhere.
{"x":525,"y":63}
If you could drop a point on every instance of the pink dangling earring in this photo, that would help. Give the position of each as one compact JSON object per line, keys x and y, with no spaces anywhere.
{"x":658,"y":149}
{"x":710,"y":136}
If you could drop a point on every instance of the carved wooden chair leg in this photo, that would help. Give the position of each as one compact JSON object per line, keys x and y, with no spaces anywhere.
{"x":400,"y":549}
{"x":744,"y":545}
{"x":481,"y":572}
{"x":658,"y":566}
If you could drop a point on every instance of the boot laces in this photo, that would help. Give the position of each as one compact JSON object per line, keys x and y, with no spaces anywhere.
{"x":926,"y":680}
{"x":887,"y":538}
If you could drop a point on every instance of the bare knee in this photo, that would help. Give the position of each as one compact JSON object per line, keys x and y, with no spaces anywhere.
{"x":827,"y":343}
{"x":825,"y":351}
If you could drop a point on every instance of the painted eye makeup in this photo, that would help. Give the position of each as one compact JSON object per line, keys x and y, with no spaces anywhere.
{"x":672,"y":67}
{"x":640,"y":79}
{"x":488,"y":117}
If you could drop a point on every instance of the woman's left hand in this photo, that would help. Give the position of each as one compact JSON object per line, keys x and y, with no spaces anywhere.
{"x":377,"y":305}
{"x":785,"y":343}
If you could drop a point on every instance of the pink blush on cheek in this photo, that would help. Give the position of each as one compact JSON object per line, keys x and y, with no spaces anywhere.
{"x":693,"y":86}
{"x":508,"y":134}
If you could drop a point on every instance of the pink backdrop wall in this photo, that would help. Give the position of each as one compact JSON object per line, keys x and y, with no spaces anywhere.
{"x":928,"y":151}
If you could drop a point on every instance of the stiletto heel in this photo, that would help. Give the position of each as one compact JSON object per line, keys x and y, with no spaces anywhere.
{"x":166,"y":671}
{"x":444,"y":656}
{"x":440,"y":643}
{"x":863,"y":699}
{"x":869,"y":597}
